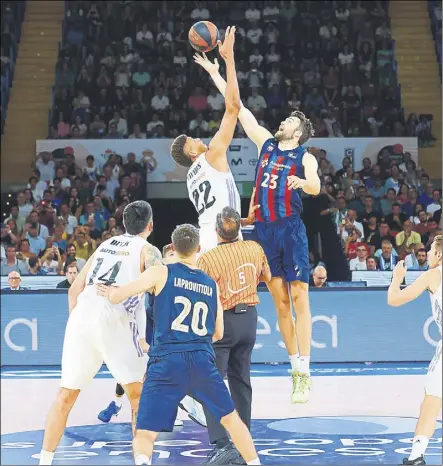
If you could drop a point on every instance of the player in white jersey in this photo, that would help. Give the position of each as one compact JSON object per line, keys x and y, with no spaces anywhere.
{"x":211,"y":186}
{"x":430,"y":408}
{"x":99,"y":332}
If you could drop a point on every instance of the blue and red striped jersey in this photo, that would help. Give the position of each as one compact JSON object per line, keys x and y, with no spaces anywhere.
{"x":271,"y":182}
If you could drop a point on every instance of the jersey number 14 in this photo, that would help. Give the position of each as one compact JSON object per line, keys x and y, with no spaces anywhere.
{"x":109,"y":276}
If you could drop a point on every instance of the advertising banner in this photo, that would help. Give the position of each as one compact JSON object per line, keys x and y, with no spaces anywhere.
{"x":348,"y":326}
{"x":242,"y":153}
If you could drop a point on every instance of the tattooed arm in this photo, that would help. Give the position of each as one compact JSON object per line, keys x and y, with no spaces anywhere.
{"x":150,"y":256}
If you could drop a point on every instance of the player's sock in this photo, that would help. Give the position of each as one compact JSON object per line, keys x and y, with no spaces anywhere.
{"x":118,"y":401}
{"x":46,"y":457}
{"x":295,"y":362}
{"x":419,"y":445}
{"x":256,"y":461}
{"x":142,"y":459}
{"x":304,"y":364}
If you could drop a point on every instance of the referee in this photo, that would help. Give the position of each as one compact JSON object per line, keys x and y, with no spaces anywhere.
{"x":237,"y":267}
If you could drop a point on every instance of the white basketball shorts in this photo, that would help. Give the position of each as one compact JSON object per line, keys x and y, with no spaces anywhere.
{"x":97,"y":333}
{"x":433,"y":385}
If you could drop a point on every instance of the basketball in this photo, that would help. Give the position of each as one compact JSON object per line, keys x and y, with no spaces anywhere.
{"x":204,"y":36}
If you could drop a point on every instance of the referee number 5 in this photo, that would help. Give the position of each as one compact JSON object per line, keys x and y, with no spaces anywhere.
{"x":199,"y":313}
{"x":269,"y":181}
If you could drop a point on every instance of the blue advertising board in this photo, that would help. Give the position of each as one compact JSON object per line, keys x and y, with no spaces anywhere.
{"x":352,"y":325}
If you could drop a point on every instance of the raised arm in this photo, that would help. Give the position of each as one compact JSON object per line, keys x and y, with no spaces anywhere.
{"x":219,"y":144}
{"x":256,"y":133}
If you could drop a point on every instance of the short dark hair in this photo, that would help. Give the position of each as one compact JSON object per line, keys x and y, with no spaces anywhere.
{"x":185,"y":239}
{"x":33,"y":225}
{"x":228,"y":224}
{"x":306,"y":127}
{"x":178,"y":151}
{"x":392,"y":190}
{"x":136,"y":217}
{"x":32,"y":262}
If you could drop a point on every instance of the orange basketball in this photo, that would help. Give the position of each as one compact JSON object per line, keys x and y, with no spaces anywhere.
{"x":203,"y":36}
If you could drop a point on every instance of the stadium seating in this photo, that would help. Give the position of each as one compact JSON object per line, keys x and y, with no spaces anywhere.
{"x":12,"y":18}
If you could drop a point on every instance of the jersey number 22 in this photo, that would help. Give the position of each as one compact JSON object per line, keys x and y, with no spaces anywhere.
{"x":202,"y":193}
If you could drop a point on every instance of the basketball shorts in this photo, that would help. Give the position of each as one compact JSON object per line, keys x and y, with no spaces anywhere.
{"x":96,"y":334}
{"x":286,"y":247}
{"x":208,"y":239}
{"x":169,"y":378}
{"x":433,"y":384}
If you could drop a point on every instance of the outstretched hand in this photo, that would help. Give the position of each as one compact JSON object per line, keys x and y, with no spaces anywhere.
{"x":226,"y":49}
{"x":250,"y":219}
{"x":206,"y":64}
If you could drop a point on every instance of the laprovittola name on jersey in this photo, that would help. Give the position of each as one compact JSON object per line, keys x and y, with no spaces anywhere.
{"x":192,"y":286}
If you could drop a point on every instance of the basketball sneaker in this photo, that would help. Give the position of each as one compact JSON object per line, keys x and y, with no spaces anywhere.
{"x":178,"y":423}
{"x":194,"y":410}
{"x":109,"y":412}
{"x":418,"y":461}
{"x":301,"y":387}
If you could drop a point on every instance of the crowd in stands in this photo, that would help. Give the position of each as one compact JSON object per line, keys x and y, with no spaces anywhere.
{"x":386,"y":212}
{"x":435,"y":7}
{"x":12,"y":14}
{"x":125,"y":69}
{"x":64,"y":213}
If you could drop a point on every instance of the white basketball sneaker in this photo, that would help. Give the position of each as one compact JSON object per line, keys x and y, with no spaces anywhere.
{"x":194,"y":410}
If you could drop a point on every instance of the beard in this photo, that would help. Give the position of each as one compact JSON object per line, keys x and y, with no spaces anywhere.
{"x":282,"y":135}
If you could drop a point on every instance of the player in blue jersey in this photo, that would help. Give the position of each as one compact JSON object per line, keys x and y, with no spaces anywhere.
{"x":188,"y":317}
{"x":284,"y":167}
{"x":192,"y":407}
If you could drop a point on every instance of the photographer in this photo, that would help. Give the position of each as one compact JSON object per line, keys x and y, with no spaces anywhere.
{"x":349,"y":225}
{"x":52,"y":261}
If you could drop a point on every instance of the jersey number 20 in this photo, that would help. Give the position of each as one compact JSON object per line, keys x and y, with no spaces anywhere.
{"x":199,"y":311}
{"x":203,"y":190}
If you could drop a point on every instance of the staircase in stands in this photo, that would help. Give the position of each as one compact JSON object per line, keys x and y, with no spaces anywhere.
{"x":31,"y":92}
{"x":418,"y":72}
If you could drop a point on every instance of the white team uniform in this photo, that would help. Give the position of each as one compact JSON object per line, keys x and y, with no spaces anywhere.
{"x":434,"y":376}
{"x":210,"y":191}
{"x":98,"y":331}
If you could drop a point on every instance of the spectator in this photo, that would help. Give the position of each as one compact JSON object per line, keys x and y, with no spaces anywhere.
{"x":396,"y":218}
{"x":37,"y":243}
{"x":387,"y":260}
{"x":422,"y":227}
{"x":393,"y":182}
{"x":45,"y":166}
{"x":51,"y":261}
{"x":14,"y":281}
{"x":349,"y":225}
{"x":359,"y":263}
{"x":71,"y":274}
{"x":351,"y":245}
{"x":377,"y":239}
{"x":71,"y":256}
{"x":12,"y":264}
{"x":160,"y":101}
{"x":411,"y":259}
{"x":406,"y":238}
{"x":215,"y":100}
{"x":94,"y":220}
{"x":371,"y":264}
{"x":84,"y":244}
{"x":431,"y":208}
{"x":19,"y":220}
{"x":426,"y":197}
{"x":319,"y":277}
{"x":34,"y":267}
{"x":422,"y":260}
{"x":409,"y":207}
{"x":388,"y":202}
{"x":198,"y":123}
{"x":198,"y":101}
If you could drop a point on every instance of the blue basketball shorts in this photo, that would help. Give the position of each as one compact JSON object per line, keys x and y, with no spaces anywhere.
{"x":170,"y":378}
{"x":286,"y":247}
